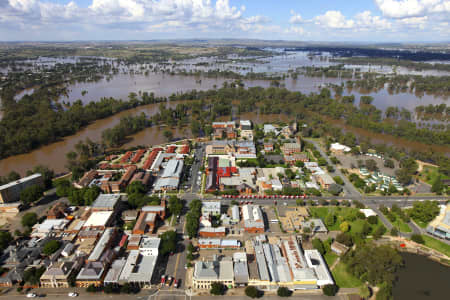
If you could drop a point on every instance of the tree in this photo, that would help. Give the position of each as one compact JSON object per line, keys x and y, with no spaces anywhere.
{"x":51,"y":247}
{"x":136,"y":187}
{"x":168,"y":242}
{"x":371,"y":165}
{"x":29,"y":219}
{"x":175,"y":205}
{"x":190,"y":247}
{"x":394,"y":231}
{"x":424,"y":211}
{"x":5,"y":239}
{"x":372,"y":220}
{"x":32,"y":275}
{"x":345,"y":239}
{"x":252,"y":292}
{"x":31,"y":194}
{"x":318,"y":245}
{"x":389,"y":163}
{"x":284,"y":292}
{"x":372,"y":263}
{"x":338,"y":180}
{"x":384,"y":292}
{"x":344,"y":226}
{"x":217,"y":289}
{"x":335,"y":189}
{"x":417,"y":238}
{"x":330,"y":289}
{"x":437,"y":186}
{"x":63,"y":188}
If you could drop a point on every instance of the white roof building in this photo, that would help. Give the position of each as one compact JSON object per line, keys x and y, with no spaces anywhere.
{"x":339,"y":147}
{"x":98,"y":219}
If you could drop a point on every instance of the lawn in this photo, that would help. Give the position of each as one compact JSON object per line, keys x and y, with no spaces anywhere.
{"x":437,"y":245}
{"x":340,"y":212}
{"x":420,"y":223}
{"x":429,"y":173}
{"x":400,"y":224}
{"x":343,"y":278}
{"x":330,"y":258}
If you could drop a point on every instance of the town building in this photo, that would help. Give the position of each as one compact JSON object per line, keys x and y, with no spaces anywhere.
{"x":440,"y":226}
{"x":339,"y":248}
{"x":10,"y":192}
{"x":337,"y":148}
{"x":106,"y":202}
{"x":149,"y":246}
{"x":214,"y":243}
{"x":98,"y":220}
{"x":211,"y":208}
{"x":138,"y":269}
{"x":207,"y":272}
{"x":325,"y":180}
{"x":212,"y":232}
{"x":253,"y":219}
{"x":291,"y":148}
{"x":91,"y":274}
{"x":57,"y":275}
{"x":170,"y":178}
{"x":316,"y":225}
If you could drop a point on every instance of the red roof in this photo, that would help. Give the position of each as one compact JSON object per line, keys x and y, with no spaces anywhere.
{"x":171,"y":149}
{"x":138,"y":156}
{"x":126,"y":157}
{"x":123,"y":240}
{"x":151,"y":158}
{"x":184,"y":149}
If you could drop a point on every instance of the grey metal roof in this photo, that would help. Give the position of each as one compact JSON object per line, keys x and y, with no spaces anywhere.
{"x":20,"y":181}
{"x":114,"y":272}
{"x":173,"y":168}
{"x":240,"y":272}
{"x":101,"y":244}
{"x":107,"y":201}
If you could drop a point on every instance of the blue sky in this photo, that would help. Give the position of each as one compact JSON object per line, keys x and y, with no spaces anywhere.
{"x":298,"y":20}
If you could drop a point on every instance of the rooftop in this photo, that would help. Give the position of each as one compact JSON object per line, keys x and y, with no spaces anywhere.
{"x":19,"y":181}
{"x":98,"y":218}
{"x":106,"y":201}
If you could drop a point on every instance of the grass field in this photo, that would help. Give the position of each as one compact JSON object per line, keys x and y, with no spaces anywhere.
{"x":400,"y":224}
{"x":330,"y":258}
{"x":429,"y":173}
{"x":421,"y":224}
{"x":437,"y":245}
{"x":343,"y":278}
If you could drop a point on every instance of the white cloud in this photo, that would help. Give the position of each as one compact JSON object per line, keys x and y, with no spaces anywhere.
{"x":412,"y":8}
{"x":365,"y":20}
{"x":297,"y":30}
{"x":334,"y":19}
{"x":295,"y":18}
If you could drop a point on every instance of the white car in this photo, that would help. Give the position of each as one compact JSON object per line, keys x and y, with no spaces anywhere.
{"x":31,"y":295}
{"x":72,"y":294}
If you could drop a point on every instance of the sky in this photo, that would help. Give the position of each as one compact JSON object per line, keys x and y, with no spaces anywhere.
{"x":296,"y":20}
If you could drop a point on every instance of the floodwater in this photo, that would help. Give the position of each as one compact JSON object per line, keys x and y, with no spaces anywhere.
{"x":54,"y":155}
{"x":422,"y":279}
{"x":122,"y":85}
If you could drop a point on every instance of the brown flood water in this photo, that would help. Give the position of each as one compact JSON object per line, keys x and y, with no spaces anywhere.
{"x":54,"y":155}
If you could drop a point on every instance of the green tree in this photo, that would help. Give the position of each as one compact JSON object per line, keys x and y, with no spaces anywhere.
{"x":330,"y":219}
{"x":5,"y":239}
{"x":364,"y":292}
{"x":168,"y":135}
{"x":318,"y":245}
{"x":51,"y":247}
{"x":437,"y":186}
{"x":31,"y":194}
{"x":136,"y":187}
{"x":217,"y":289}
{"x":284,"y":292}
{"x":175,"y":205}
{"x":252,"y":292}
{"x":29,"y":219}
{"x":63,"y":188}
{"x":345,"y":238}
{"x":168,"y":242}
{"x":384,"y":292}
{"x":344,"y":226}
{"x":330,"y":289}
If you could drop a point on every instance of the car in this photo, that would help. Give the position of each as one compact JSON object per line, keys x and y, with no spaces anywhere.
{"x":73,"y":294}
{"x":175,"y":283}
{"x":169,"y":281}
{"x":163,"y":279}
{"x":185,"y":266}
{"x":31,"y":295}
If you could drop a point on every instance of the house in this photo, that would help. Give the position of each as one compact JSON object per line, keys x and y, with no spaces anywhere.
{"x":170,"y":178}
{"x":211,"y":208}
{"x":325,"y":180}
{"x":295,"y":157}
{"x":240,"y":269}
{"x":214,"y":243}
{"x":145,"y":223}
{"x":57,"y":211}
{"x":212,"y":232}
{"x":138,"y":269}
{"x":98,"y":220}
{"x":316,"y":225}
{"x":245,"y":125}
{"x":268,"y":147}
{"x":253,"y":219}
{"x":291,"y":148}
{"x":106,"y":202}
{"x":247,"y":135}
{"x":159,"y":210}
{"x":87,"y":178}
{"x":440,"y":226}
{"x":207,"y":272}
{"x":91,"y":274}
{"x":11,"y":192}
{"x":269,"y":128}
{"x":235,"y":214}
{"x":339,"y":248}
{"x":229,"y":124}
{"x":57,"y":275}
{"x":211,"y":175}
{"x":149,"y":246}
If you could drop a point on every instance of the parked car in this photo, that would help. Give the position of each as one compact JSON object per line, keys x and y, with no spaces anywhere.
{"x":169,"y":281}
{"x":73,"y":294}
{"x":175,"y":283}
{"x":31,"y":295}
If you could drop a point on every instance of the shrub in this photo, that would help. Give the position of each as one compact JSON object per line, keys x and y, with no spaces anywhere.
{"x":252,"y":292}
{"x":217,"y":289}
{"x":345,"y":238}
{"x":330,"y":290}
{"x":29,"y":219}
{"x":51,"y":247}
{"x":394,"y":231}
{"x":284,"y":292}
{"x":318,"y":245}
